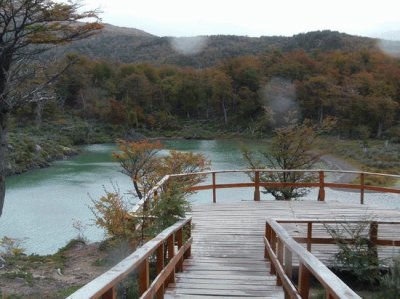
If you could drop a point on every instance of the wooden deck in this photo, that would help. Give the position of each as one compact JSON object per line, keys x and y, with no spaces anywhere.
{"x":228,"y":250}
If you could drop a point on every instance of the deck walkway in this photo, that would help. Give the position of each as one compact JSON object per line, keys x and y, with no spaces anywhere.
{"x":228,"y":250}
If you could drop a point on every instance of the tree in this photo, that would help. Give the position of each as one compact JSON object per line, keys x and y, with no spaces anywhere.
{"x":27,"y":29}
{"x":141,"y":161}
{"x":291,"y":149}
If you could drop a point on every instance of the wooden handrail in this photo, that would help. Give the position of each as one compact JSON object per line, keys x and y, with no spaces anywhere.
{"x":328,"y":240}
{"x":308,"y":265}
{"x":105,"y":285}
{"x":257,"y":183}
{"x":279,"y":242}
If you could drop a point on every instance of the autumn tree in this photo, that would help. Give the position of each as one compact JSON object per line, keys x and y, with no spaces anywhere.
{"x":141,"y":161}
{"x":27,"y":29}
{"x":291,"y":148}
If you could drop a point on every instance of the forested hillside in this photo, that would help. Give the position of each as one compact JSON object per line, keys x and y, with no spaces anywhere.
{"x":247,"y":94}
{"x":134,"y":46}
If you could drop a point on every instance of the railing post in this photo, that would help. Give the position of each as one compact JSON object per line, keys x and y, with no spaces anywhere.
{"x":179,"y":239}
{"x":144,"y":277}
{"x":362,"y":188}
{"x":280,"y":259}
{"x":214,"y":188}
{"x":329,"y":295}
{"x":257,"y":186}
{"x":110,"y":294}
{"x":268,"y":237}
{"x":304,"y":281}
{"x":273,"y":247}
{"x":288,"y":267}
{"x":309,"y":236}
{"x":372,"y":247}
{"x":159,"y":268}
{"x":321,"y":193}
{"x":188,"y":252}
{"x":171,"y":253}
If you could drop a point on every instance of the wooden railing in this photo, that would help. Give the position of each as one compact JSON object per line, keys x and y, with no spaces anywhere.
{"x":280,"y":248}
{"x":164,"y":244}
{"x":167,"y":262}
{"x":257,"y":183}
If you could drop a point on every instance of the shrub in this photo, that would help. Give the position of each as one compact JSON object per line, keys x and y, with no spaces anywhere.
{"x":356,"y":254}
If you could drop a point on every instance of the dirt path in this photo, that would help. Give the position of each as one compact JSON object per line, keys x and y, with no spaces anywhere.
{"x":340,"y":164}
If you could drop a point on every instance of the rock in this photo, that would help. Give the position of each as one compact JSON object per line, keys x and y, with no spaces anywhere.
{"x":38,"y":148}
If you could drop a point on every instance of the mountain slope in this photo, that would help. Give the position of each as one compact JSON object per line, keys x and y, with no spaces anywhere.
{"x":130,"y":45}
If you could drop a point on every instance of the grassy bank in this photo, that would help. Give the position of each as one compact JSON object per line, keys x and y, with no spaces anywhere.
{"x":378,"y":156}
{"x":32,"y":146}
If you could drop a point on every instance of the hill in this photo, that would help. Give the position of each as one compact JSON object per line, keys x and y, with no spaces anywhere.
{"x":129,"y":45}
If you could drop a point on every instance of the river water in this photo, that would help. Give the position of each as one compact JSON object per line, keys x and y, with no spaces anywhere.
{"x":42,"y":205}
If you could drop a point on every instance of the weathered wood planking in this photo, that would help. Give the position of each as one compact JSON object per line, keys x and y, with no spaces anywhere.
{"x":228,"y":250}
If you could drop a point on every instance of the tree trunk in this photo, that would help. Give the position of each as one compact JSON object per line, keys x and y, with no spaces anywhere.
{"x":225,"y":113}
{"x":138,"y":193}
{"x":39,"y":111}
{"x":320,"y":114}
{"x":3,"y":155}
{"x":380,"y":130}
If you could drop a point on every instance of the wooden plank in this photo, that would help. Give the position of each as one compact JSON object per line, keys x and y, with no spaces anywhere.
{"x":185,"y":296}
{"x":227,"y":242}
{"x":269,"y":281}
{"x":222,"y":286}
{"x":217,"y":292}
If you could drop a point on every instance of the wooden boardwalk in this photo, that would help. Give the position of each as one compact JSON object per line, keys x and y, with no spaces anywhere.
{"x":228,"y":249}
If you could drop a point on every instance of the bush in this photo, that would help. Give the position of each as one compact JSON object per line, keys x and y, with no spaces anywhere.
{"x":390,"y":283}
{"x":357,"y":254}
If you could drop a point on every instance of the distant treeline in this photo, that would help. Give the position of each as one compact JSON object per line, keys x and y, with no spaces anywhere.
{"x":252,"y":93}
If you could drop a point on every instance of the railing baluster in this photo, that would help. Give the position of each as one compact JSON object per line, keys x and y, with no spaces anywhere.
{"x":288,"y":263}
{"x":329,"y":295}
{"x":257,"y":186}
{"x":214,"y":188}
{"x":273,"y":247}
{"x":372,"y":247}
{"x":110,"y":294}
{"x":159,"y":268}
{"x":144,"y":276}
{"x":188,"y":230}
{"x":179,"y":239}
{"x":321,"y":193}
{"x":309,"y":236}
{"x":362,"y":188}
{"x":171,"y":253}
{"x":280,"y":259}
{"x":304,"y":281}
{"x":268,"y":236}
{"x":288,"y":268}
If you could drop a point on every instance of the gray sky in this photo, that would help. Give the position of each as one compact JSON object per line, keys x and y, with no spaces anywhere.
{"x":251,"y":17}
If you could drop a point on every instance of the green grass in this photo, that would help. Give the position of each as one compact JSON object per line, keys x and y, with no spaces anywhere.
{"x":65,"y":292}
{"x":371,"y":156}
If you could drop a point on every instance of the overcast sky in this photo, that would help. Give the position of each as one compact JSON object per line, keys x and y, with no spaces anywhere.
{"x":251,"y":17}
